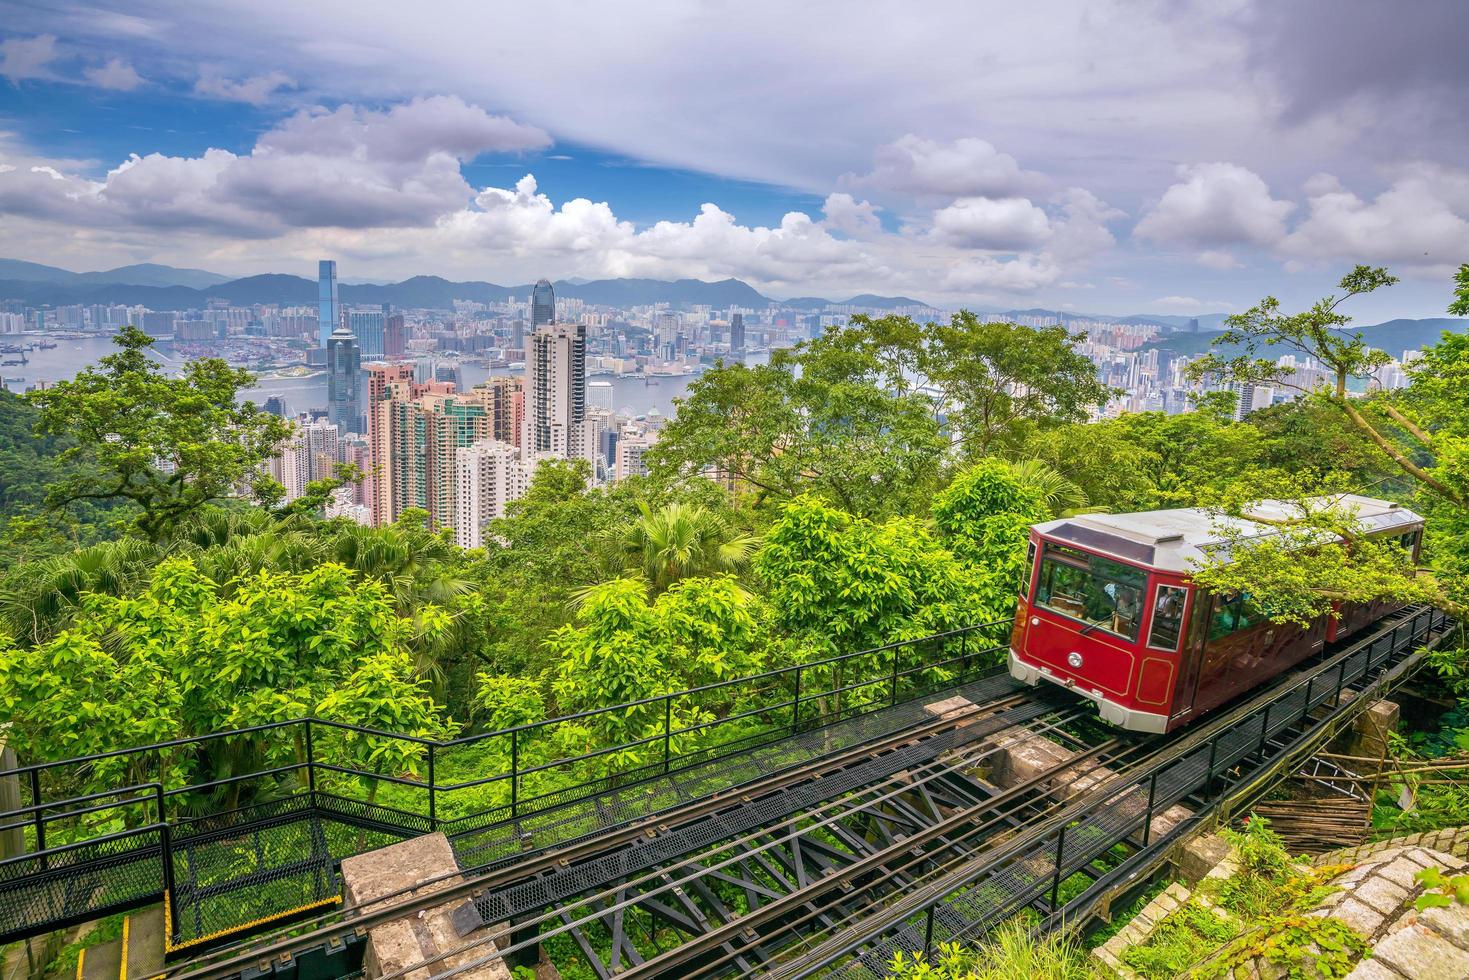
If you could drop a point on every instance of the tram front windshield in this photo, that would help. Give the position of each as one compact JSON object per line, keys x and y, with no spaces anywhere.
{"x":1104,"y":594}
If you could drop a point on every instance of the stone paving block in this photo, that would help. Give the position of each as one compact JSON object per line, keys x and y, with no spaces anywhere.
{"x":393,"y":946}
{"x":1382,"y":894}
{"x":1370,"y":969}
{"x":1452,"y":923}
{"x":1419,"y":952}
{"x":1197,"y":857}
{"x":1361,"y":917}
{"x":1400,"y":873}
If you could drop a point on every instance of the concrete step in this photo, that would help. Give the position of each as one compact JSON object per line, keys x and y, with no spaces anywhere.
{"x":145,"y":943}
{"x":141,"y":942}
{"x":101,"y":962}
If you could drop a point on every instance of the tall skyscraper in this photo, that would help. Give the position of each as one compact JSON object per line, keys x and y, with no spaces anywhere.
{"x":389,"y":388}
{"x":395,"y":336}
{"x":737,"y":331}
{"x":542,"y":304}
{"x":555,"y":389}
{"x":329,"y":306}
{"x":368,"y":326}
{"x":344,"y":380}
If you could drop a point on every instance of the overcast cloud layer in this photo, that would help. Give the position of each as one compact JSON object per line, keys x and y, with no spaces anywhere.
{"x":1086,"y":155}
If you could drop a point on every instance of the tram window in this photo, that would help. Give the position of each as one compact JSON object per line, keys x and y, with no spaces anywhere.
{"x":1233,"y":613}
{"x":1103,"y":593}
{"x":1167,"y":617}
{"x":1029,"y":567}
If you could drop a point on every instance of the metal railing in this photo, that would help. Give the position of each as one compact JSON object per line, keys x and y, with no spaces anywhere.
{"x":307,"y":768}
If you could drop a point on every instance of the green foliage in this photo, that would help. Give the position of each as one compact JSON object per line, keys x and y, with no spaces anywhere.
{"x":839,"y":583}
{"x":1011,"y":954}
{"x":1185,"y":937}
{"x":168,"y":445}
{"x":1296,"y":567}
{"x":1000,"y":381}
{"x":819,"y":418}
{"x":1460,"y":304}
{"x":681,"y":540}
{"x":185,"y":657}
{"x":984,"y":517}
{"x":1257,"y":914}
{"x":1441,"y":891}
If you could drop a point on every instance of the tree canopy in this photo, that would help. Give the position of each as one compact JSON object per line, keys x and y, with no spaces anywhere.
{"x":168,"y":445}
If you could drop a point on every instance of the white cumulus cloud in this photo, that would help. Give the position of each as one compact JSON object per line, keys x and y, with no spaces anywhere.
{"x":967,"y":167}
{"x":1215,"y":205}
{"x":1421,"y":219}
{"x":1006,"y":224}
{"x":347,"y":168}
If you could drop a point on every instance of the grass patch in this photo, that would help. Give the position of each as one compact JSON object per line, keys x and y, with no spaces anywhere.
{"x":1011,"y":954}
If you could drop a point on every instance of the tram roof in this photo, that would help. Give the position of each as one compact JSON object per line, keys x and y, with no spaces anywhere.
{"x":1176,"y":540}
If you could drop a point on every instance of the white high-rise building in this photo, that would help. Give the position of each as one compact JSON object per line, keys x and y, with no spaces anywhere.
{"x":488,"y":475}
{"x":632,"y":442}
{"x":555,"y":390}
{"x":312,"y":453}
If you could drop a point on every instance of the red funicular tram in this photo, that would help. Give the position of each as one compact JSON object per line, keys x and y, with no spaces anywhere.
{"x":1107,"y":610}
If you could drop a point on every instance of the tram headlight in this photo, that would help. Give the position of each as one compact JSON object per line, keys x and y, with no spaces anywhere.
{"x":1073,"y":659}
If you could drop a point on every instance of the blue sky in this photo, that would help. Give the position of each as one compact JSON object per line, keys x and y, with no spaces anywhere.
{"x":1171,"y":158}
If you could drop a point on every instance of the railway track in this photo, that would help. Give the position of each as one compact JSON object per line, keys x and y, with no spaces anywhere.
{"x":1245,"y":748}
{"x":573,"y":868}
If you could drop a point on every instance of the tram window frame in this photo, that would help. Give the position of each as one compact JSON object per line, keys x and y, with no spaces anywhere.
{"x":1026,"y":575}
{"x":1090,"y":565}
{"x":1179,"y":619}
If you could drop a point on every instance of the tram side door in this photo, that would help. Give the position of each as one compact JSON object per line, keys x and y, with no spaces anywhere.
{"x":1192,"y":654}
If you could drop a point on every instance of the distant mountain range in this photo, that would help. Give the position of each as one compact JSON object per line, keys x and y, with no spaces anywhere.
{"x":1392,"y":336}
{"x":146,"y":274}
{"x":163,"y":287}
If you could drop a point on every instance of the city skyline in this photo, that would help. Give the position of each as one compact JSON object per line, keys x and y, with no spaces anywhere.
{"x":1087,"y":158}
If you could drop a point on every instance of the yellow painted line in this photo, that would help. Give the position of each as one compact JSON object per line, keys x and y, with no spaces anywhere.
{"x":122,"y":969}
{"x":168,"y":942}
{"x":81,"y":958}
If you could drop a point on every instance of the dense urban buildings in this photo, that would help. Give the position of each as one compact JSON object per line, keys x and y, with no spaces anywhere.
{"x":451,"y":410}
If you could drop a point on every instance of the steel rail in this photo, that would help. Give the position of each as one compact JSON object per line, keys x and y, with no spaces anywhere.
{"x":797,"y":898}
{"x":918,"y":900}
{"x":328,"y":926}
{"x":878,"y":861}
{"x":903,"y":785}
{"x":678,"y":956}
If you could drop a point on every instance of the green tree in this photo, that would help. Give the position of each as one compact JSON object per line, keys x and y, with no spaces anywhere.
{"x":984,"y":518}
{"x":838,"y":583}
{"x":168,"y":445}
{"x":1000,"y":381}
{"x":821,"y":418}
{"x":680,"y":540}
